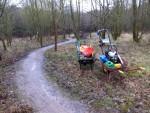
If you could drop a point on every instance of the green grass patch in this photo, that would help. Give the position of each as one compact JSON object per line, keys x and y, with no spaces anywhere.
{"x":103,"y":103}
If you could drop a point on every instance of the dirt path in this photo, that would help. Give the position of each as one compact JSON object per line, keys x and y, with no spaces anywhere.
{"x":44,"y":96}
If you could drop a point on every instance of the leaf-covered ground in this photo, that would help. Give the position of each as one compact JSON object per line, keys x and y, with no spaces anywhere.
{"x":93,"y":88}
{"x":9,"y":102}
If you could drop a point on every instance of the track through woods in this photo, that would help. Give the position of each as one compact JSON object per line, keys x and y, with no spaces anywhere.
{"x":44,"y":96}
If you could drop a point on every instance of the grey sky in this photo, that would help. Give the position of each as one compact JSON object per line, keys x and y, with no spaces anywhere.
{"x":86,"y":4}
{"x":16,"y":2}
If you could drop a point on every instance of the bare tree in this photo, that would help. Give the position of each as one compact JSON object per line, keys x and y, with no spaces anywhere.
{"x":36,"y":12}
{"x":2,"y":6}
{"x":137,"y":20}
{"x":54,"y":22}
{"x":2,"y":9}
{"x":75,"y":21}
{"x":117,"y":18}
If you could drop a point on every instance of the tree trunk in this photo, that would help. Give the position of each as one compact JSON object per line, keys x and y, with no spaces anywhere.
{"x":41,"y":41}
{"x":30,"y":37}
{"x":90,"y":34}
{"x":135,"y":37}
{"x":9,"y":41}
{"x":55,"y":31}
{"x":4,"y":45}
{"x":8,"y":44}
{"x":0,"y":57}
{"x":64,"y":35}
{"x":54,"y":24}
{"x":75,"y":26}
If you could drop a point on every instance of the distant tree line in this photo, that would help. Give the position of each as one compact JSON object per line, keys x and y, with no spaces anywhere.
{"x":52,"y":17}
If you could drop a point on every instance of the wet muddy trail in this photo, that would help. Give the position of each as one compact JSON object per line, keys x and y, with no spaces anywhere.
{"x":44,"y":96}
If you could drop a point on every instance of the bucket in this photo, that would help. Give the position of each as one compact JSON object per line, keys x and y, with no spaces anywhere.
{"x":103,"y":58}
{"x":110,"y":64}
{"x":117,"y":66}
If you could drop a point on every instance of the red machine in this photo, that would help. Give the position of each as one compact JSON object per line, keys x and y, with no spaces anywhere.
{"x":85,"y":54}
